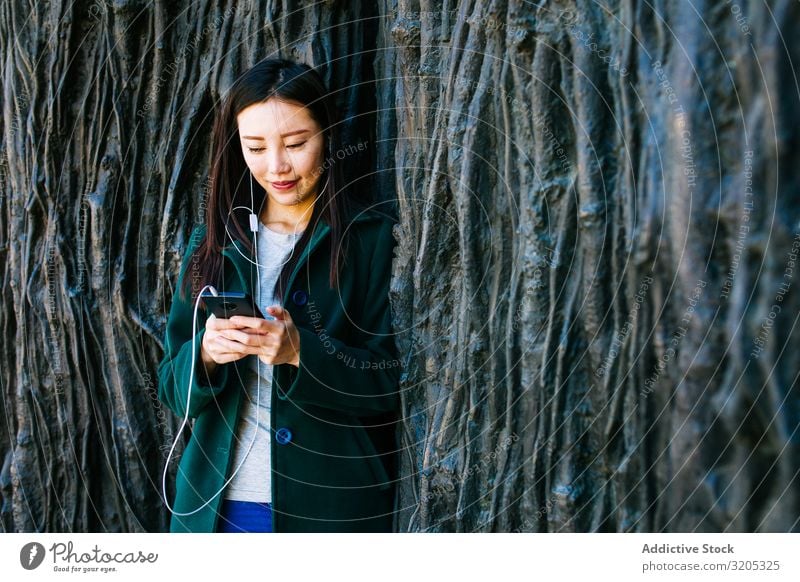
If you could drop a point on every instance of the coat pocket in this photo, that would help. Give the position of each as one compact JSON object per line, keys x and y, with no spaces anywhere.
{"x":371,"y":455}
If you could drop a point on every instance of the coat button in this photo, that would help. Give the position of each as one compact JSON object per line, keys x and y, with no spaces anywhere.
{"x":299,"y":297}
{"x":283,"y":436}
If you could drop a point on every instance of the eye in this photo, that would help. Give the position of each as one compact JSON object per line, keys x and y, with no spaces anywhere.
{"x":296,"y":145}
{"x":256,"y":150}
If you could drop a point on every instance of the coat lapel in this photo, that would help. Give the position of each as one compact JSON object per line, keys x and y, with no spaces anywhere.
{"x":240,"y":258}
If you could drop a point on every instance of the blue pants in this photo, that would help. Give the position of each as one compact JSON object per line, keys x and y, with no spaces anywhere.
{"x":244,"y":516}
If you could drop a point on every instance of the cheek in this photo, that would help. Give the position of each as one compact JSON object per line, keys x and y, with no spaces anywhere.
{"x":309,"y":165}
{"x":255,"y":163}
{"x":312,"y":161}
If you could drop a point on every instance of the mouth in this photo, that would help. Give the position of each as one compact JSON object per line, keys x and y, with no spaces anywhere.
{"x":283,"y":185}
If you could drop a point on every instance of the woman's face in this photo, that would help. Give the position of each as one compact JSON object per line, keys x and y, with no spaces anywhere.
{"x":282,"y":143}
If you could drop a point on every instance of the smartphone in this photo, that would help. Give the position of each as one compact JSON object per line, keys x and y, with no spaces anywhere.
{"x":227,"y":304}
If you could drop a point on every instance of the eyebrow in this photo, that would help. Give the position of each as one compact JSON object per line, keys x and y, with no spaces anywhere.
{"x":282,"y":135}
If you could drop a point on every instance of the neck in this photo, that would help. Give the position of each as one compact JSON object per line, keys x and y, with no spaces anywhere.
{"x":287,"y":219}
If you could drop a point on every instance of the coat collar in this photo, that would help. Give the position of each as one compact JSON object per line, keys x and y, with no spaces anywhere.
{"x":244,"y":262}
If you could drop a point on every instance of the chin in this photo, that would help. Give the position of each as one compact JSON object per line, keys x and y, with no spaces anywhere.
{"x":288,"y":199}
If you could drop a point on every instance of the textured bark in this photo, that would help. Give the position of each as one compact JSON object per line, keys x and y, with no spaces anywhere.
{"x":542,"y":190}
{"x":588,"y":298}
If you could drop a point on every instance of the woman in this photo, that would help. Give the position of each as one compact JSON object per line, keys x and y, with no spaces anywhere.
{"x":294,"y":414}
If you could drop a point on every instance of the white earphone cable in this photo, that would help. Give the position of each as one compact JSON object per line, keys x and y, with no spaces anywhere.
{"x":254,"y":229}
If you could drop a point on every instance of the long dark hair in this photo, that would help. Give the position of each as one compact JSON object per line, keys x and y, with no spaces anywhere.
{"x":231,"y":178}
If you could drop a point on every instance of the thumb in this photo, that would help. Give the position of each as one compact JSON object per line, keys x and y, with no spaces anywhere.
{"x":278,"y":312}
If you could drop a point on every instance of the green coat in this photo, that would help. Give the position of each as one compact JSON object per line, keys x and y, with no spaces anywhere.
{"x":332,"y":423}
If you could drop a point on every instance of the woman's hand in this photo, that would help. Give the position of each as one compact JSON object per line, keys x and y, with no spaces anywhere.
{"x":273,"y":341}
{"x":219,"y":345}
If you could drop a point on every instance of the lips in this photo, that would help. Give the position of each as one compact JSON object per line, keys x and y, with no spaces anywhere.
{"x":283,"y":185}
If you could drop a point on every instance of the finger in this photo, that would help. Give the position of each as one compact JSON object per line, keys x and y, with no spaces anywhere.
{"x":258,"y":341}
{"x":243,"y":337}
{"x":226,"y":357}
{"x":244,"y":321}
{"x":227,"y":345}
{"x":222,"y":323}
{"x":279,"y":312}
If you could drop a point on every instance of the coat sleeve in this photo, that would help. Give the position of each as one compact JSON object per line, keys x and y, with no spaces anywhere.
{"x":179,"y":352}
{"x":360,"y":380}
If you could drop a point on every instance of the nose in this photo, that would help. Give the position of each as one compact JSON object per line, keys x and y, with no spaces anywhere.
{"x":278,"y":163}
